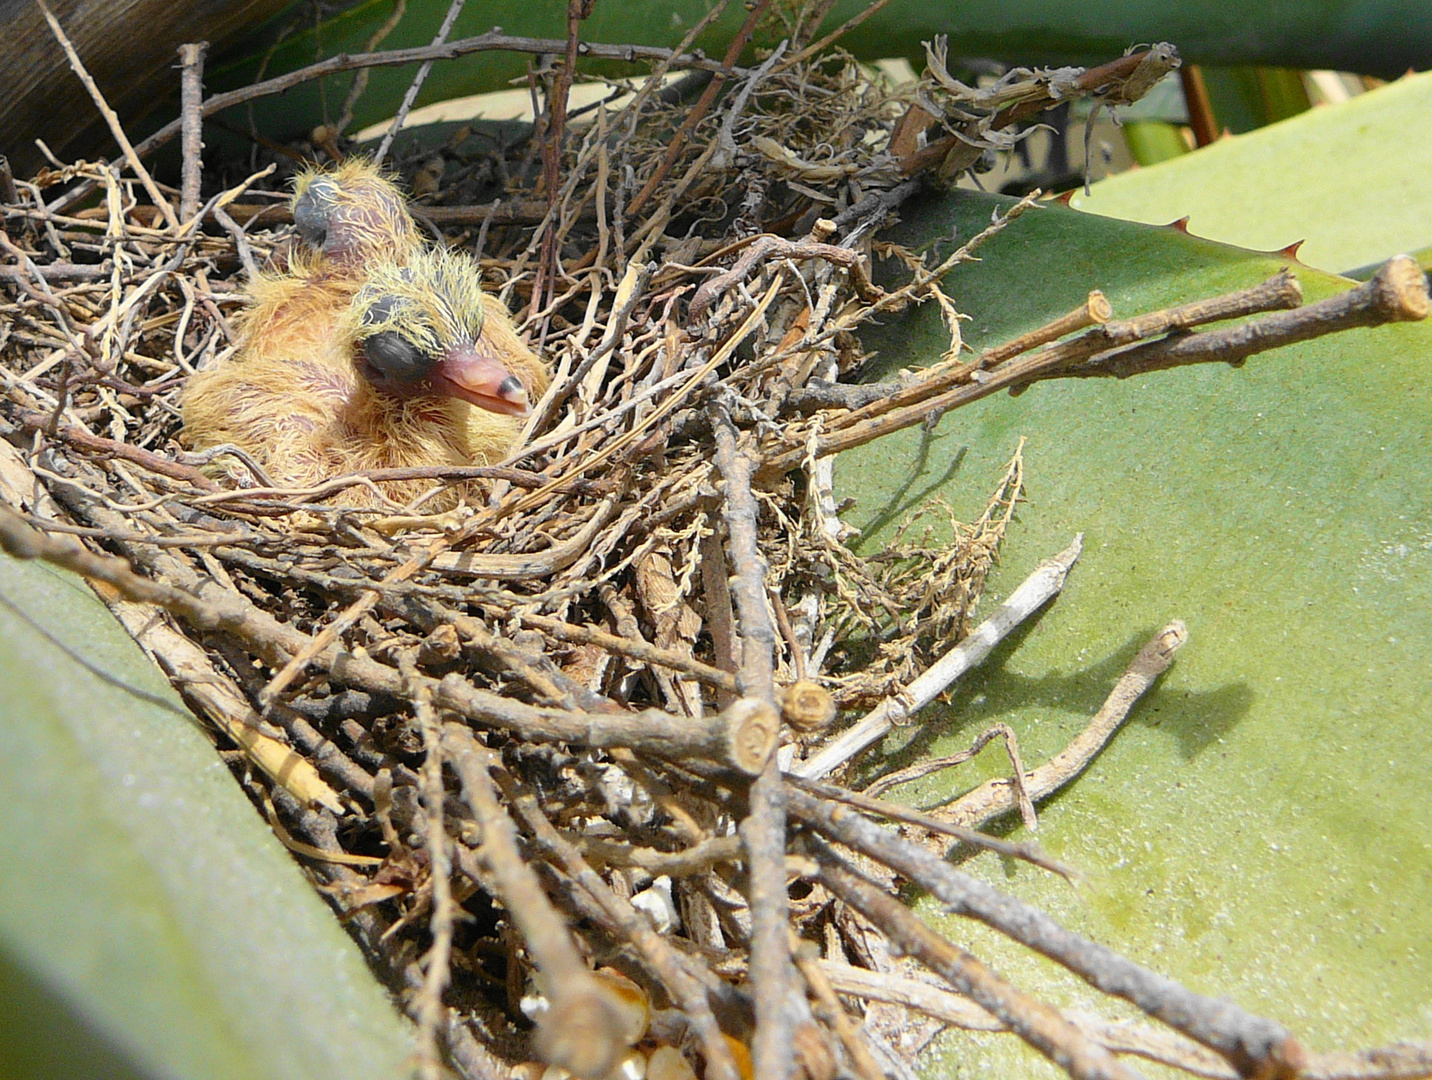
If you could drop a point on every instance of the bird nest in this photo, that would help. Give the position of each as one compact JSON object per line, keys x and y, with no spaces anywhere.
{"x":557,"y":755}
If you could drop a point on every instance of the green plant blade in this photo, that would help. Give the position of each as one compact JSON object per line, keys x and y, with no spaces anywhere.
{"x":1260,"y":829}
{"x":1380,"y":37}
{"x":150,"y":925}
{"x":1347,"y":179}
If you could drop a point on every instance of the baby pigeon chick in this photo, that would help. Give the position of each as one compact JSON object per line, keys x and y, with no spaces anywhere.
{"x":351,"y":215}
{"x":420,"y":368}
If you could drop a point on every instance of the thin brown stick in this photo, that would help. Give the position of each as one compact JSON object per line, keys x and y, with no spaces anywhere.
{"x":1252,"y":1045}
{"x":996,"y":797}
{"x":191,"y":100}
{"x":453,"y":11}
{"x":110,"y":117}
{"x":763,"y":832}
{"x":909,"y":816}
{"x":700,"y":109}
{"x":1038,"y":1024}
{"x":552,"y":136}
{"x":835,"y":35}
{"x":1065,"y":359}
{"x":582,"y":1029}
{"x":742,"y":738}
{"x":636,"y":650}
{"x":1411,"y":1060}
{"x":1396,"y":293}
{"x":437,"y":969}
{"x":1046,"y":580}
{"x":655,"y":948}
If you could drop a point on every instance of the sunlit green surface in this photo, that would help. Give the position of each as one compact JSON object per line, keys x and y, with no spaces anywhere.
{"x":1262,"y":828}
{"x":1350,"y":180}
{"x":150,"y":924}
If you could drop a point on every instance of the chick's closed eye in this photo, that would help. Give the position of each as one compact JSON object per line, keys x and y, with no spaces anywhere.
{"x":392,"y":361}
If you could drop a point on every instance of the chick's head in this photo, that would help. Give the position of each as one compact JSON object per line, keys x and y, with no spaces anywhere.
{"x":353,"y":214}
{"x":426,"y":329}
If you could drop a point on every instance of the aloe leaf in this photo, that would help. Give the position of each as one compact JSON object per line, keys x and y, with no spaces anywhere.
{"x":1379,"y":37}
{"x":1346,"y":179}
{"x":150,"y":924}
{"x":1260,"y":828}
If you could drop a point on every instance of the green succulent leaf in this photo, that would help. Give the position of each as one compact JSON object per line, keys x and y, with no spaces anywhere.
{"x":150,"y":925}
{"x":1260,"y":828}
{"x":1380,"y":37}
{"x":1346,"y":179}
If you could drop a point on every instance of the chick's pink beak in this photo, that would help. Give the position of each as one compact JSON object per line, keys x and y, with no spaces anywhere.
{"x":477,"y":378}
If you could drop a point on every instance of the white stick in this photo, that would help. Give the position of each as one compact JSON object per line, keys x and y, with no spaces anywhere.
{"x":1033,"y":592}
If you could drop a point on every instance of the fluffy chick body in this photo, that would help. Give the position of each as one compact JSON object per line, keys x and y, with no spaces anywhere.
{"x":299,"y":397}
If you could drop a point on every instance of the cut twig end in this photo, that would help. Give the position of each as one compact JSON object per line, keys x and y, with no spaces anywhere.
{"x":1400,"y":290}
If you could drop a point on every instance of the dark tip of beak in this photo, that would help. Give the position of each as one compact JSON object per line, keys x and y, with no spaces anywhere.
{"x":512,"y":390}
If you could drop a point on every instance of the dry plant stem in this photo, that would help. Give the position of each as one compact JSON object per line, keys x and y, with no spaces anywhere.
{"x":1401,"y":1061}
{"x":910,"y":816}
{"x":453,"y":11}
{"x":551,"y":136}
{"x":1252,"y":1045}
{"x":452,"y":50}
{"x":1056,"y":361}
{"x":933,"y":765}
{"x":835,"y":35}
{"x":763,"y":832}
{"x":581,"y":1030}
{"x":807,"y":960}
{"x":993,"y":798}
{"x":937,"y":150}
{"x":191,"y":99}
{"x":699,"y":110}
{"x":194,"y":675}
{"x":1121,"y":1037}
{"x":1038,"y":1024}
{"x":633,"y":648}
{"x":1045,"y":582}
{"x":655,"y":949}
{"x":115,"y":127}
{"x":437,"y":970}
{"x":741,"y":739}
{"x":770,"y":246}
{"x":1396,"y":293}
{"x":882,"y":398}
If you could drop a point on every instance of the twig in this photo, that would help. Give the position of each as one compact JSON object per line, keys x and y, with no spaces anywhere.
{"x":545,"y":281}
{"x":437,"y":970}
{"x":763,"y":832}
{"x":582,"y":1029}
{"x":994,"y":797}
{"x":770,"y":246}
{"x":359,"y":86}
{"x":191,"y":99}
{"x":1254,"y":1046}
{"x":742,"y":738}
{"x":1396,"y":293}
{"x":1120,"y":1036}
{"x":1400,"y":1061}
{"x":699,"y":110}
{"x":836,"y":34}
{"x":907,"y":815}
{"x":1038,"y":1024}
{"x":654,"y":947}
{"x":1046,"y":581}
{"x":807,"y":961}
{"x":637,"y":650}
{"x":115,"y":127}
{"x":454,"y":9}
{"x":1056,"y":361}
